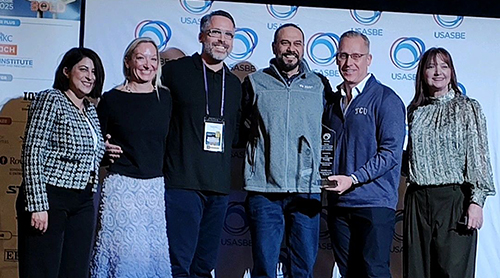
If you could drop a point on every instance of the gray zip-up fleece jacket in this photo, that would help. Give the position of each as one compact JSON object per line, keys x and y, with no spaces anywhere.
{"x":283,"y":118}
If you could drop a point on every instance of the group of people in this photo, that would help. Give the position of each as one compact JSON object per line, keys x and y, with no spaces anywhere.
{"x":166,"y":135}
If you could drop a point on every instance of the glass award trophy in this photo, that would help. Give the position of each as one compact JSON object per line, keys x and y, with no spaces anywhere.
{"x":328,"y":137}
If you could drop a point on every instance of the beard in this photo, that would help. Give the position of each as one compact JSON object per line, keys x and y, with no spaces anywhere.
{"x":209,"y":48}
{"x":287,"y":66}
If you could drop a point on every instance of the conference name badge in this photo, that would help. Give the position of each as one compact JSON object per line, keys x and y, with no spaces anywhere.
{"x":213,"y":135}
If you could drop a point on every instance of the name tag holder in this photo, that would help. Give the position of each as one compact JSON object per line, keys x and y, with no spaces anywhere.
{"x":213,"y":135}
{"x":213,"y":130}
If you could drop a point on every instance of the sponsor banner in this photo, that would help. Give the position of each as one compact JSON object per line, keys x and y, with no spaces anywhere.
{"x":30,"y":49}
{"x":12,"y":121}
{"x":33,"y":37}
{"x":55,"y":9}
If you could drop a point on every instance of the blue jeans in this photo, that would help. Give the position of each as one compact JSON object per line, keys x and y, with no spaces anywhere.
{"x":195,"y":220}
{"x":294,"y":215}
{"x":362,"y":239}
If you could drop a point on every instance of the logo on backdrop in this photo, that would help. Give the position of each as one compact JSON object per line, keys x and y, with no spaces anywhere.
{"x":324,"y":233}
{"x":10,"y":255}
{"x":196,"y":7}
{"x":12,"y":189}
{"x":10,"y":22}
{"x":245,"y":41}
{"x":366,"y":18}
{"x":398,"y":236}
{"x":16,"y":62}
{"x":157,"y":30}
{"x":397,"y":244}
{"x":462,"y":88}
{"x":46,"y":6}
{"x":6,"y":78}
{"x":282,"y":12}
{"x":236,"y":222}
{"x":10,"y":160}
{"x":448,"y":22}
{"x":7,"y":5}
{"x":6,"y":37}
{"x":406,"y":51}
{"x":322,"y":48}
{"x":8,"y":49}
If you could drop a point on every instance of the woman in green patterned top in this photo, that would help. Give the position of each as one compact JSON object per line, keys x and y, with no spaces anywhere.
{"x":449,"y":176}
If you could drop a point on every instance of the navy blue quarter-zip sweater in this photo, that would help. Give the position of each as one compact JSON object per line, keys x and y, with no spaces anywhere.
{"x":369,"y":144}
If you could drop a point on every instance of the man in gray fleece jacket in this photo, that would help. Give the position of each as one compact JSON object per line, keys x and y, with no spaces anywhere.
{"x":282,"y":110}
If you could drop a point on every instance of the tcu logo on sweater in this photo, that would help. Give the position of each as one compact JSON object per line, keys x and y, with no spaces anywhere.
{"x":361,"y":110}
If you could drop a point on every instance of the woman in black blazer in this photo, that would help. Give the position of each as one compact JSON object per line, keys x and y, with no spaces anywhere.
{"x":61,"y":154}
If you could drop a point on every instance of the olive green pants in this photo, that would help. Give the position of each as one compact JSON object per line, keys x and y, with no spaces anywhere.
{"x":436,"y":245}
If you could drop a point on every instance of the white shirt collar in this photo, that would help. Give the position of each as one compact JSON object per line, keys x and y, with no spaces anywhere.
{"x":358,"y":89}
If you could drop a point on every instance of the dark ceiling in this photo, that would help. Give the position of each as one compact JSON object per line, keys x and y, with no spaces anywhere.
{"x":479,"y":8}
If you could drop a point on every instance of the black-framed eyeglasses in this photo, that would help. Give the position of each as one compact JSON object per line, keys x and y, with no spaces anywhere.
{"x":218,"y":33}
{"x":342,"y":56}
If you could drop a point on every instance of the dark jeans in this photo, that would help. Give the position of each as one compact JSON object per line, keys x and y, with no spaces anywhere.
{"x":64,"y":249}
{"x":271,"y":215}
{"x":435,"y":244}
{"x":194,"y":230}
{"x":362,"y":239}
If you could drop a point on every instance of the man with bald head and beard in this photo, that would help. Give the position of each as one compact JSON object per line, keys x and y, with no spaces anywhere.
{"x":282,"y":107}
{"x":206,"y":99}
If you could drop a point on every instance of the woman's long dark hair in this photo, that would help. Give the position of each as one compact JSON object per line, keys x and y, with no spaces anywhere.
{"x":421,"y":96}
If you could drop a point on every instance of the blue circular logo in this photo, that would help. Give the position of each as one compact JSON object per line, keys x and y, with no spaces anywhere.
{"x":462,"y":89}
{"x":406,"y":51}
{"x":196,"y":7}
{"x":158,"y":31}
{"x":282,"y":12}
{"x":245,"y":41}
{"x":399,"y":220}
{"x":366,"y":18}
{"x":448,"y":22}
{"x":322,"y":48}
{"x":235,"y":221}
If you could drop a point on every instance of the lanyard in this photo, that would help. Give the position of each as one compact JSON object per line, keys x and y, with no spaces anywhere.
{"x":206,"y":90}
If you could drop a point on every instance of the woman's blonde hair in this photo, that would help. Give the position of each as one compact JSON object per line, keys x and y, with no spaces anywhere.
{"x":129,"y":51}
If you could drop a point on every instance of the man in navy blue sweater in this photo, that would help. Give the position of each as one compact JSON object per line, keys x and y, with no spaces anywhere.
{"x":368,"y":120}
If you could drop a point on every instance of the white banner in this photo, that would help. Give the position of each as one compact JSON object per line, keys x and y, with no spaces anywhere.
{"x":397,"y":41}
{"x":33,"y":37}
